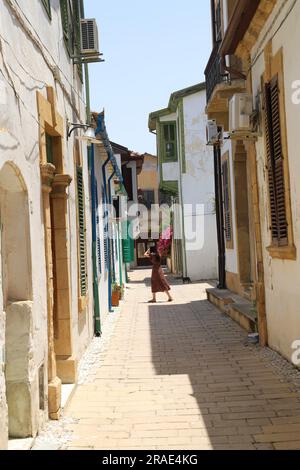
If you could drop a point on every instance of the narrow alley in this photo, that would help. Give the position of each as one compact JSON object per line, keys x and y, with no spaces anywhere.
{"x":182,"y":376}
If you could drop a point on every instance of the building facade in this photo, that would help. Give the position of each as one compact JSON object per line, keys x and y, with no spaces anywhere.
{"x":263,"y":167}
{"x":148,"y":196}
{"x":187,"y":175}
{"x":46,"y":290}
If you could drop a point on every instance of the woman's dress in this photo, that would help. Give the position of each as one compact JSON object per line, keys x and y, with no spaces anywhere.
{"x":158,"y":280}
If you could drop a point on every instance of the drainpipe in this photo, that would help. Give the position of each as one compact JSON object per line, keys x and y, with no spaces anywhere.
{"x":213,"y":21}
{"x":220,"y":218}
{"x":185,"y":273}
{"x":110,"y":202}
{"x":97,"y":316}
{"x":108,"y":245}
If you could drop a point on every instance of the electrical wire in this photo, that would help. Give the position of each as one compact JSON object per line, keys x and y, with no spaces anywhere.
{"x":18,"y":97}
{"x":41,"y":46}
{"x":49,"y":52}
{"x":20,"y":63}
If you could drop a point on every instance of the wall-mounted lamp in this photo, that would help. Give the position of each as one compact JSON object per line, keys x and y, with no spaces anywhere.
{"x":89,"y":131}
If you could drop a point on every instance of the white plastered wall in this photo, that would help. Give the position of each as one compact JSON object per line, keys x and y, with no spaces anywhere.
{"x":19,"y":143}
{"x":198,"y":191}
{"x":282,"y":276}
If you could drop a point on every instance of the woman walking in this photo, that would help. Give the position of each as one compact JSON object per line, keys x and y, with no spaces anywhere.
{"x":158,"y":280}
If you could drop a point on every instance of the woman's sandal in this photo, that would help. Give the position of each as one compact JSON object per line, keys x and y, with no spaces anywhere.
{"x":152,"y":302}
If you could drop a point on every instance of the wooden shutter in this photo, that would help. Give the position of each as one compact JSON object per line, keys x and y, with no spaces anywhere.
{"x":65,"y":18}
{"x":105,"y":231}
{"x":128,"y":244}
{"x":169,"y":142}
{"x":99,"y":258}
{"x":77,"y":34}
{"x":226,"y":195}
{"x":81,"y":223}
{"x":279,"y":226}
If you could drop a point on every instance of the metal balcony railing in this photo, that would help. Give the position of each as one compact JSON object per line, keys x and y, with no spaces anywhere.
{"x":213,"y":72}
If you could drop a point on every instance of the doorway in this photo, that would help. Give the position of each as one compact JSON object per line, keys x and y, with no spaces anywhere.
{"x":21,"y":380}
{"x":242,"y":215}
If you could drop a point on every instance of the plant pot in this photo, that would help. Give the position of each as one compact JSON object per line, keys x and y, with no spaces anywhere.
{"x":115,"y":298}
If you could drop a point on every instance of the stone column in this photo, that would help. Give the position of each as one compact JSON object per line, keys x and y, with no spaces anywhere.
{"x":66,"y":362}
{"x":54,"y":383}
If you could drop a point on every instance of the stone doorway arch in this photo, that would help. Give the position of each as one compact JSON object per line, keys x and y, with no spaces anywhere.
{"x":21,"y":381}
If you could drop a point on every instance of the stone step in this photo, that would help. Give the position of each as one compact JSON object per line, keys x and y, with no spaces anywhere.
{"x":235,"y":306}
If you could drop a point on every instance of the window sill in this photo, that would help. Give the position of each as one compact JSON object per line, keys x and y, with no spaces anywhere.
{"x":283,"y":252}
{"x":83,"y":303}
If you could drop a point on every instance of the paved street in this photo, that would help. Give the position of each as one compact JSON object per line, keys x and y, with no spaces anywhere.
{"x":182,"y":376}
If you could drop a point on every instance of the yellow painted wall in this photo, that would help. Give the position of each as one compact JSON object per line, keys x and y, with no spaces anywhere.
{"x":149,"y":178}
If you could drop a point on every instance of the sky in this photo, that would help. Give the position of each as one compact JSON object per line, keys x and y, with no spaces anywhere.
{"x":151,"y":49}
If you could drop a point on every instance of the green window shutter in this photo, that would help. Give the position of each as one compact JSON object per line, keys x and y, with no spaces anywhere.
{"x":170,"y":187}
{"x":99,"y":258}
{"x":169,"y":142}
{"x":47,"y":5}
{"x":66,"y":7}
{"x":128,"y":244}
{"x":82,"y":241}
{"x":49,"y":149}
{"x":65,"y":18}
{"x":131,"y":241}
{"x":77,"y":33}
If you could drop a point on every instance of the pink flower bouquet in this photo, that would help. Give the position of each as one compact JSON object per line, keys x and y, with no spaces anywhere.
{"x":165,"y":242}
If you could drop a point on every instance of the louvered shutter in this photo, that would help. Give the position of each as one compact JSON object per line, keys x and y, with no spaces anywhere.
{"x":105,"y":231}
{"x":279,"y":227}
{"x":169,"y":142}
{"x":81,"y":223}
{"x":226,"y":195}
{"x":77,"y":34}
{"x":65,"y":18}
{"x":99,"y":258}
{"x":127,"y":258}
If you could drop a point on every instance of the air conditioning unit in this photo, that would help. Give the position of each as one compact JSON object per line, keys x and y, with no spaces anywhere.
{"x":89,"y":37}
{"x":213,"y":134}
{"x":240,"y":111}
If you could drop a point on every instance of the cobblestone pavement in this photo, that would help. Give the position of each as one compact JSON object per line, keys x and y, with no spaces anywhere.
{"x":180,"y":376}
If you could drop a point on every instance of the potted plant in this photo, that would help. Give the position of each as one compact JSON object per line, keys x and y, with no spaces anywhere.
{"x":115,"y":295}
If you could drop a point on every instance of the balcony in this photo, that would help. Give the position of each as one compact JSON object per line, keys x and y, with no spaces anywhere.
{"x":222,"y":84}
{"x":213,"y":73}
